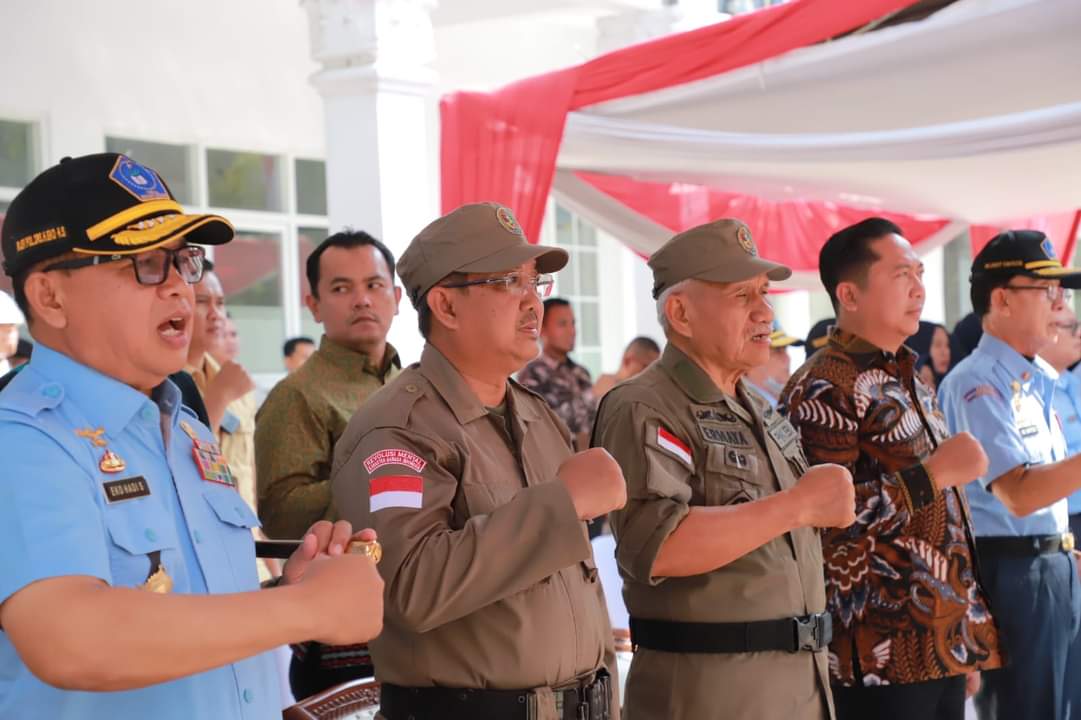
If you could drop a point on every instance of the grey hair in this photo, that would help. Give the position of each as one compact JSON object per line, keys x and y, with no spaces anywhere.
{"x":662,"y":300}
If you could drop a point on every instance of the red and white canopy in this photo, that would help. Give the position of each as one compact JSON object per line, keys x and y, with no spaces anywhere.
{"x":971,"y":116}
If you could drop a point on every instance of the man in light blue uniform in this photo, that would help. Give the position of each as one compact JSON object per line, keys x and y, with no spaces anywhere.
{"x":1002,"y":394}
{"x":126,"y":552}
{"x":1061,"y":354}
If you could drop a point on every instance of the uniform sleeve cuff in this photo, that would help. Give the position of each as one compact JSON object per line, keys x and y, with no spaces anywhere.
{"x":655,"y":521}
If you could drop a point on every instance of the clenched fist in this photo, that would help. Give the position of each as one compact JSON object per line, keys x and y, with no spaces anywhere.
{"x":825,"y":497}
{"x":957,"y":461}
{"x":232,"y":382}
{"x":595,"y":483}
{"x":344,"y":596}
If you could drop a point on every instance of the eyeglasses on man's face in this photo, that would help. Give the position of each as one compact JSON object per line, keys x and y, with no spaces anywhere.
{"x":1053,"y":292}
{"x":151,"y":267}
{"x":517,"y":283}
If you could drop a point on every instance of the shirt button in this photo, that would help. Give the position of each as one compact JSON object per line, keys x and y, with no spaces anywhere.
{"x":51,"y":391}
{"x":410,"y":388}
{"x":248,"y":695}
{"x":149,"y":414}
{"x":151,"y":535}
{"x":198,"y":536}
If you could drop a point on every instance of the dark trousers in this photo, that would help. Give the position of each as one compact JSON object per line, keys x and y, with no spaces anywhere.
{"x":1073,"y":662}
{"x":1036,"y":602}
{"x":307,"y":677}
{"x":932,"y":700}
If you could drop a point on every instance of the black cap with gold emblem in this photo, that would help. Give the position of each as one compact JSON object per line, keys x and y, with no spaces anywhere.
{"x":1023,"y":252}
{"x":720,"y":251}
{"x":105,"y":204}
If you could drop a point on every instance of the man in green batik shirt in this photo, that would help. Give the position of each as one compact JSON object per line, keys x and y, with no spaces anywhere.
{"x":353,"y":294}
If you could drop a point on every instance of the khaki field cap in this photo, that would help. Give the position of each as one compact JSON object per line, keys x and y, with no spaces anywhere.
{"x":477,"y":238}
{"x":720,"y":251}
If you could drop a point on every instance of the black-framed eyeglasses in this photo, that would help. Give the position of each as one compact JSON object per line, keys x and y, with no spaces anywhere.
{"x":513,"y":282}
{"x":152,"y":266}
{"x":1053,"y":292}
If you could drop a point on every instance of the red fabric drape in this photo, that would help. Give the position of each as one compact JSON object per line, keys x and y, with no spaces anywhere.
{"x":1060,"y":227}
{"x":791,"y":232}
{"x":503,"y":145}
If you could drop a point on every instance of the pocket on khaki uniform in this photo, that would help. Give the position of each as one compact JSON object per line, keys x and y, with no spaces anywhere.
{"x":733,"y":475}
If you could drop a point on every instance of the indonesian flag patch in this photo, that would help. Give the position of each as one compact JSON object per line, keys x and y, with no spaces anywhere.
{"x":668,"y":441}
{"x":396,"y":491}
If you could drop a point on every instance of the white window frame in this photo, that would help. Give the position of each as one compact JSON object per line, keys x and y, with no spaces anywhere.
{"x":548,"y":237}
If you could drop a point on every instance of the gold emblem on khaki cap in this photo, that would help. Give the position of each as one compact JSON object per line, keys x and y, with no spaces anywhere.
{"x":720,"y":251}
{"x":743,"y":236}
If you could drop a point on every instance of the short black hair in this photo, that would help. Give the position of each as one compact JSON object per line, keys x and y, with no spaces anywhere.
{"x":553,"y":303}
{"x":290,"y":345}
{"x":643,"y":343}
{"x":18,"y":292}
{"x":980,"y":289}
{"x":345,"y":239}
{"x":847,"y":255}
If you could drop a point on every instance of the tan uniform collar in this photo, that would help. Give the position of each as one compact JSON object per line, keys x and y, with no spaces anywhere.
{"x":867,"y":355}
{"x":348,"y":360}
{"x":204,"y":372}
{"x":692,"y":379}
{"x":454,"y":390}
{"x":700,"y":388}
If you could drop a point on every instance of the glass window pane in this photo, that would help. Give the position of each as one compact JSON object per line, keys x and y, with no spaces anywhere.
{"x":307,"y":239}
{"x":311,"y":178}
{"x":170,"y":161}
{"x":564,"y":227}
{"x":591,"y":360}
{"x":587,"y":273}
{"x":16,"y":153}
{"x":587,"y":234}
{"x":567,"y":278}
{"x":249,"y":181}
{"x":589,"y":323}
{"x":250,"y":272}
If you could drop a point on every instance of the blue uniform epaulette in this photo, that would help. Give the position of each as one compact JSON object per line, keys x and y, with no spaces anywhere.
{"x":29,"y":395}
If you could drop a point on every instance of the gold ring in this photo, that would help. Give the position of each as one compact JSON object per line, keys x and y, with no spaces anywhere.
{"x":369,"y":548}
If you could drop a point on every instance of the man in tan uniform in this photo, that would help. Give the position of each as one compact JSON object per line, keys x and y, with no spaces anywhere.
{"x":717,"y":546}
{"x":493,"y":606}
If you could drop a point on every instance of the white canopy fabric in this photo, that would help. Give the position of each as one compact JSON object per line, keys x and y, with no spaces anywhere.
{"x":973,"y":114}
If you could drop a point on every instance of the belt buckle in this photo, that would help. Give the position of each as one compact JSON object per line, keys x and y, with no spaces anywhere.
{"x":811,"y":632}
{"x":1068,"y":543}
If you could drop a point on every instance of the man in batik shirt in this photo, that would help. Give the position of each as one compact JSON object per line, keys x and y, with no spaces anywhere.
{"x":911,"y":621}
{"x":564,"y":384}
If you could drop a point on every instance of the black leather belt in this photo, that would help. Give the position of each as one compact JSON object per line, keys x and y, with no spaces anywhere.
{"x":812,"y":632}
{"x":1024,"y":545}
{"x":585,"y":701}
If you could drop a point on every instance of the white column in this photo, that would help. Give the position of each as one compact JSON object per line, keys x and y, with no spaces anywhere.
{"x":381,"y":107}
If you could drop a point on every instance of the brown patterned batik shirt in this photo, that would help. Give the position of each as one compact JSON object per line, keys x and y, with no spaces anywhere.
{"x":566,"y":387}
{"x":901,"y":583}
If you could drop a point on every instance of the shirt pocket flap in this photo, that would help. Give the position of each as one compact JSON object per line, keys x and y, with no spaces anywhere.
{"x":733,"y":475}
{"x":231,"y":508}
{"x":140,"y":533}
